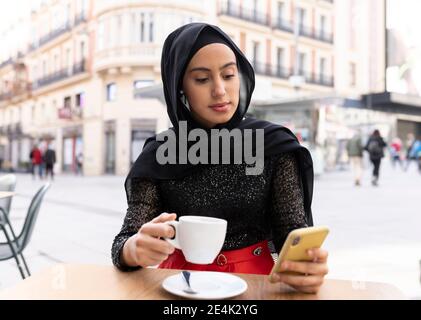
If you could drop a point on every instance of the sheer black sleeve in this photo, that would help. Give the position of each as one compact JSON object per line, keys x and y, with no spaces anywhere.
{"x":144,"y":205}
{"x":287,"y":201}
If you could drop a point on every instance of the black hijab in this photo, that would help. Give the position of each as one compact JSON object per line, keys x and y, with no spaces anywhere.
{"x":178,"y":49}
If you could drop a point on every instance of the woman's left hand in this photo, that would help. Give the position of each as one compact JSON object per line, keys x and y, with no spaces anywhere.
{"x":311,"y":275}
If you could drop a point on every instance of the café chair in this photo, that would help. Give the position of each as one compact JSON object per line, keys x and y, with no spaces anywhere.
{"x":7,"y":183}
{"x":14,"y":246}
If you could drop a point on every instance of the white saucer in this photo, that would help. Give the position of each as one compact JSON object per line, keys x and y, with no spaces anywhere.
{"x":208,"y":285}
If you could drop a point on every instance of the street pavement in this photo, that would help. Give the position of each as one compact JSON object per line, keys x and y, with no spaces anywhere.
{"x":375,"y":232}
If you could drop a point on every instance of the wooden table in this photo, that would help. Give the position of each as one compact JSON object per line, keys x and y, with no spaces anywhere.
{"x":67,"y":281}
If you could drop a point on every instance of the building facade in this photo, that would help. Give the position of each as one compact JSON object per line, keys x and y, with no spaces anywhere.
{"x":76,"y":80}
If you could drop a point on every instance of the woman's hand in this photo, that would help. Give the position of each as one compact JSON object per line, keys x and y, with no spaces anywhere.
{"x":311,"y":273}
{"x":145,"y":248}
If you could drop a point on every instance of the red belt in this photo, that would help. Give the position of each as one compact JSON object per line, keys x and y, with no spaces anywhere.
{"x":252,"y":259}
{"x":238,"y":255}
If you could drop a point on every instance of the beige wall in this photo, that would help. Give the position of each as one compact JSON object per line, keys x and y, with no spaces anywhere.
{"x":115,"y":54}
{"x":359,"y":39}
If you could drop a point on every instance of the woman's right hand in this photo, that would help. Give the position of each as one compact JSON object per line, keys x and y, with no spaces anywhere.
{"x":146,"y":248}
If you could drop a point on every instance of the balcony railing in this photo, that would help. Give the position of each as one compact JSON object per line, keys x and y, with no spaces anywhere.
{"x":69,"y":113}
{"x":319,"y":79}
{"x":6,"y":62}
{"x":229,"y":9}
{"x":143,"y":54}
{"x":267,"y":69}
{"x":50,"y":36}
{"x":281,"y":72}
{"x":283,"y":25}
{"x":5,"y":96}
{"x":60,"y":75}
{"x":80,"y":17}
{"x":320,"y":35}
{"x":17,"y":89}
{"x":79,"y":67}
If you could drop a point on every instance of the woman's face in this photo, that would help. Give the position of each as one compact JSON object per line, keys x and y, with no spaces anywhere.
{"x":212,"y":85}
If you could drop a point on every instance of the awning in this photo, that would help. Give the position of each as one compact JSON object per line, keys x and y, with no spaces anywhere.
{"x":393,"y":103}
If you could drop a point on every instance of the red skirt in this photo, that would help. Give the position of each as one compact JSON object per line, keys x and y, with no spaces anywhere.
{"x":255,"y":259}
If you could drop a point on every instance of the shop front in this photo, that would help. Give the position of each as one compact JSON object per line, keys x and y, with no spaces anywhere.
{"x":72,"y":148}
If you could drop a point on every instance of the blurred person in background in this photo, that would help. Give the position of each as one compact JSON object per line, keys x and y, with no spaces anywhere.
{"x":415,"y":153}
{"x":36,"y":161}
{"x":395,"y":152}
{"x":79,"y":164}
{"x":409,"y":146}
{"x":355,"y":149}
{"x":375,"y":148}
{"x":50,"y":160}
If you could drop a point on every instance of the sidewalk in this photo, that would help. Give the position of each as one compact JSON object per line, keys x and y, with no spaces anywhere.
{"x":375,"y":232}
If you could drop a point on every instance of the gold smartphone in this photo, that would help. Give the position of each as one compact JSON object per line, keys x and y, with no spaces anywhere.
{"x":296,"y":246}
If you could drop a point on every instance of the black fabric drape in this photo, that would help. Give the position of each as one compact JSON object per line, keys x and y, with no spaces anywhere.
{"x":176,"y":54}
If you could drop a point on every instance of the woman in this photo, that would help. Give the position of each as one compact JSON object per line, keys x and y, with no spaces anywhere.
{"x":375,"y":147}
{"x":208,"y":82}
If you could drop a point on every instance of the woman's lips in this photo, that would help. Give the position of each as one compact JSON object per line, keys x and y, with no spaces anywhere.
{"x":222,"y":107}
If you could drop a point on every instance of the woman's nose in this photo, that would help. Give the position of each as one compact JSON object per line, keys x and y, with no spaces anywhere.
{"x":219,"y":89}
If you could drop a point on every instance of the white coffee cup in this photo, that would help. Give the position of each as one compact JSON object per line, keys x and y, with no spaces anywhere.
{"x":199,"y":238}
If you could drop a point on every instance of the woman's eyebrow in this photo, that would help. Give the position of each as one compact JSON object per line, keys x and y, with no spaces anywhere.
{"x":206,"y":69}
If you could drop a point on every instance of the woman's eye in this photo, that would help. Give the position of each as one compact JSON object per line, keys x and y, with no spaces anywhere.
{"x":229,"y":76}
{"x":202,"y":80}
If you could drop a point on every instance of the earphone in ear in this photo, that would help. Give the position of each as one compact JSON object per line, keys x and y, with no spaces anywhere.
{"x":184,"y":100}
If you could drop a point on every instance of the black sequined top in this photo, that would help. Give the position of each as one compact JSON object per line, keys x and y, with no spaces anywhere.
{"x":257,"y":207}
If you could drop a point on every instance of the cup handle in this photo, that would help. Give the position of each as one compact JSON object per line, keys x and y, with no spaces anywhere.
{"x":174,"y":241}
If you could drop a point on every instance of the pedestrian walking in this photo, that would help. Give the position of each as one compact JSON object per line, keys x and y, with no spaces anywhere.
{"x":355,"y":150}
{"x":395,"y":150}
{"x":36,"y":161}
{"x":375,"y":148}
{"x":50,"y":160}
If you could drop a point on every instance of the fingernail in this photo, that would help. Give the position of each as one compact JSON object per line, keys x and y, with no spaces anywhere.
{"x":310,"y":253}
{"x":284,"y":266}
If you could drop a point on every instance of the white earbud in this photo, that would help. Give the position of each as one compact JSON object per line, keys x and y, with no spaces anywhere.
{"x":184,"y":100}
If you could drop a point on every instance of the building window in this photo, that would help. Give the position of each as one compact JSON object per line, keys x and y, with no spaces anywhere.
{"x":44,"y":68}
{"x":68,"y":102}
{"x":118,"y":29}
{"x":281,"y":9}
{"x":322,"y":66}
{"x":142,"y":27}
{"x":280,"y":53}
{"x":322,"y":69}
{"x":56,"y":64}
{"x":80,"y":100}
{"x":133,"y":27}
{"x":139,"y":137}
{"x":101,"y":35}
{"x":151,"y":27}
{"x":82,"y":50}
{"x":322,"y":26}
{"x":301,"y":63}
{"x":111,"y":92}
{"x":139,"y":84}
{"x":68,"y":61}
{"x":352,"y":74}
{"x":302,"y":18}
{"x":255,"y":58}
